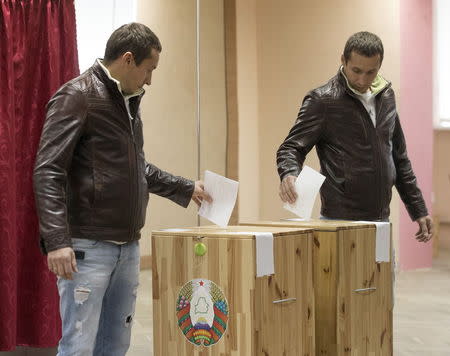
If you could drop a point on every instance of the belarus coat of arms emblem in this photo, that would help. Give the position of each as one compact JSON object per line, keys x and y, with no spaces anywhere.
{"x":202,"y":312}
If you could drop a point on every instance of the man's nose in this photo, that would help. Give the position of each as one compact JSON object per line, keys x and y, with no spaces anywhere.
{"x":148,"y":79}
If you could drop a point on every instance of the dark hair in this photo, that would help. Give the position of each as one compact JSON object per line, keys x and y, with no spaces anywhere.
{"x":133,"y":37}
{"x":364,"y":43}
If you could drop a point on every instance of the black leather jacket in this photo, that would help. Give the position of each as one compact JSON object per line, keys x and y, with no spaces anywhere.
{"x":361,"y":162}
{"x":91,"y":179}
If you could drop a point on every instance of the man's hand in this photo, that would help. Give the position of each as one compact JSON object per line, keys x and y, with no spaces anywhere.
{"x":62,"y":262}
{"x":287,"y":189}
{"x":200,"y":194}
{"x":426,"y":229}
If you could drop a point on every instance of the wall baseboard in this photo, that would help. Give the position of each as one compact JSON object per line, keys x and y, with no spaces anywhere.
{"x":146,"y":262}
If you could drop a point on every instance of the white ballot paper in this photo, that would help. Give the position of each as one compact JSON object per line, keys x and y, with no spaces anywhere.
{"x":223,"y":191}
{"x":307,"y":185}
{"x":382,"y":240}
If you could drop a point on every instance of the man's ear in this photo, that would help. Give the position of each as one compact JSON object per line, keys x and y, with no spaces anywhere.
{"x":127,"y":57}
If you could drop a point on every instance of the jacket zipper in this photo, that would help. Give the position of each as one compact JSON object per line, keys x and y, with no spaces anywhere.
{"x":136,"y":193}
{"x":138,"y":185}
{"x":134,"y":177}
{"x":380,"y":209}
{"x":378,"y":150}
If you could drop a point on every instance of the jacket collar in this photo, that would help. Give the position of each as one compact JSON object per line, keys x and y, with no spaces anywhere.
{"x":378,"y":85}
{"x":111,"y":83}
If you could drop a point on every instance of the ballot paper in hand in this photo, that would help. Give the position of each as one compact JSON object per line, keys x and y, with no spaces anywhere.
{"x":223,"y":191}
{"x":307,"y":186}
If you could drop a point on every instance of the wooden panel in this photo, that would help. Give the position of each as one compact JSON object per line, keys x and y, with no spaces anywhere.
{"x":176,"y":264}
{"x":299,"y":330}
{"x":316,"y":224}
{"x":256,"y":325}
{"x":364,"y":297}
{"x":145,"y":263}
{"x":287,"y":328}
{"x":348,"y":322}
{"x":325,"y":274}
{"x":352,"y":306}
{"x":232,"y":160}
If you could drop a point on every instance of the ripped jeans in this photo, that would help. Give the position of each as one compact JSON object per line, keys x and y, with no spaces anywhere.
{"x":97,"y":306}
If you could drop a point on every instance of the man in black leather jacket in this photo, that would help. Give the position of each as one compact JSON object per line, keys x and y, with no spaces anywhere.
{"x":353,"y":122}
{"x":92,"y":185}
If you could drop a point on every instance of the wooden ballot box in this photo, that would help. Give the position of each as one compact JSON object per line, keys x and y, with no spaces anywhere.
{"x":207,"y":299}
{"x":353,"y":293}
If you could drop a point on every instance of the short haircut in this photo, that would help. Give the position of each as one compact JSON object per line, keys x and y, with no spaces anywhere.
{"x":364,"y":43}
{"x":133,"y":37}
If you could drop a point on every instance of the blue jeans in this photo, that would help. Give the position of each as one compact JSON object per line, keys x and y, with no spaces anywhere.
{"x":97,"y":306}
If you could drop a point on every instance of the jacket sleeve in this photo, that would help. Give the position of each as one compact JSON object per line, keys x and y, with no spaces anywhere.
{"x":66,"y":115}
{"x":164,"y":184}
{"x":406,"y":182}
{"x":303,"y":136}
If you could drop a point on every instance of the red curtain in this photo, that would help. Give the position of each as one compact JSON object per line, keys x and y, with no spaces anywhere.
{"x":37,"y":55}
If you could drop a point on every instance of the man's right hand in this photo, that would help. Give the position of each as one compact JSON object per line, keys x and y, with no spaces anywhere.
{"x":200,"y":193}
{"x":287,"y":189}
{"x":62,"y":262}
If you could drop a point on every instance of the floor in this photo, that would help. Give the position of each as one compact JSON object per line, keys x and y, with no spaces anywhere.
{"x":421,"y":313}
{"x":422,"y":307}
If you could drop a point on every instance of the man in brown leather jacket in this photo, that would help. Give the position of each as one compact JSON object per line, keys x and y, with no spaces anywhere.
{"x":353,"y":122}
{"x":92,"y":184}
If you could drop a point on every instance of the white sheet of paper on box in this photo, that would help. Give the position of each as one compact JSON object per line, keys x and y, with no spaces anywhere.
{"x":223,"y":191}
{"x":264,"y":254}
{"x":307,"y":185}
{"x":382,"y":240}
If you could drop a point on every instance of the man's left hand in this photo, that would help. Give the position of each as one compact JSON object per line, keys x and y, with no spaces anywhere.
{"x":426,"y":229}
{"x":200,"y":193}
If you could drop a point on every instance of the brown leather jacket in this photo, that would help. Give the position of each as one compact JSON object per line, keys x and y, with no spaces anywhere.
{"x":361,"y":162}
{"x":91,"y":179}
